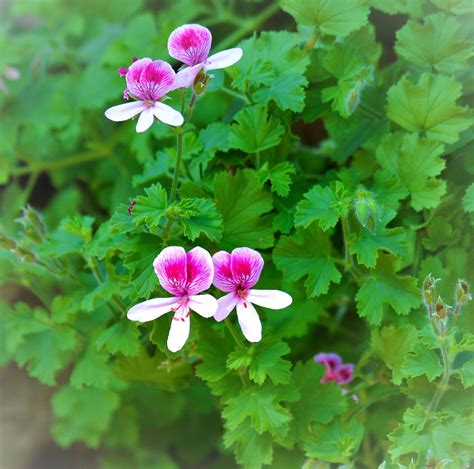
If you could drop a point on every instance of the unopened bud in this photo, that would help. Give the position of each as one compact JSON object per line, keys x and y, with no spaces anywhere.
{"x":366,"y":209}
{"x":441,"y":308}
{"x":6,"y":242}
{"x":201,"y":82}
{"x":429,"y":289}
{"x":33,"y":226}
{"x":24,"y":255}
{"x":462,"y":292}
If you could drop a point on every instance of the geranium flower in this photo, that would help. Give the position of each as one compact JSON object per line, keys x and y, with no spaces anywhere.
{"x":191,"y":44}
{"x":147,"y":82}
{"x":335,"y":369}
{"x":184,"y":275}
{"x":237,"y":273}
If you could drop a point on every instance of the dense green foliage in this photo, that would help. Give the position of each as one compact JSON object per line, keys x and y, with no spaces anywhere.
{"x":346,"y":162}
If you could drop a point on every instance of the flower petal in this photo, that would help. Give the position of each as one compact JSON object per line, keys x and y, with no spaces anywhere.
{"x":329,"y":360}
{"x":344,"y":374}
{"x":225,"y":306}
{"x":185,"y":77}
{"x":249,"y":321}
{"x":204,"y":305}
{"x":223,"y":59}
{"x":273,"y":299}
{"x":123,"y":112}
{"x":167,"y":114}
{"x":179,"y":333}
{"x":190,"y":44}
{"x":223,"y":279}
{"x":170,"y":267}
{"x":200,"y":270}
{"x":145,"y":121}
{"x":151,"y":309}
{"x":246,"y":265}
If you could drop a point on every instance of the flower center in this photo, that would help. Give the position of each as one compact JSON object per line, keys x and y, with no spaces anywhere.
{"x":242,"y":294}
{"x":181,"y":312}
{"x":149,"y":103}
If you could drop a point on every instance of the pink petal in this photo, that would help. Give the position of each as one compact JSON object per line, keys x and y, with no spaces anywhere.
{"x":273,"y":299}
{"x":179,"y":333}
{"x":170,"y":267}
{"x":246,"y":265}
{"x":145,"y":121}
{"x":223,"y":279}
{"x":150,"y":80}
{"x":329,"y":360}
{"x":151,"y":309}
{"x":223,"y":59}
{"x":249,"y":321}
{"x":185,"y":77}
{"x":200,"y":271}
{"x":123,"y":112}
{"x":225,"y":306}
{"x":344,"y":374}
{"x":190,"y":44}
{"x":167,"y":114}
{"x":204,"y":305}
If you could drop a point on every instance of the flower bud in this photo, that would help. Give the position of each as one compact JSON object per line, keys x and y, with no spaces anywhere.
{"x":462,"y":293}
{"x":33,"y":227}
{"x":366,"y":209}
{"x":441,"y":308}
{"x":429,"y":290}
{"x":6,"y":242}
{"x":201,"y":82}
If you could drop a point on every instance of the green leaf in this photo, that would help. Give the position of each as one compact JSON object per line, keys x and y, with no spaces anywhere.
{"x":324,"y":205}
{"x":468,"y":200}
{"x":263,"y":360}
{"x":150,"y":208}
{"x":434,"y":44}
{"x":307,"y":253}
{"x":367,"y":245}
{"x":458,"y":7}
{"x":82,"y":415}
{"x":307,"y":410}
{"x":78,"y":225}
{"x":429,"y":106}
{"x":393,"y":345}
{"x":335,"y":18}
{"x":335,"y":442}
{"x":467,"y":373}
{"x":243,"y":205}
{"x":215,"y":137}
{"x":253,"y":131}
{"x":279,"y":176}
{"x":385,"y":287}
{"x":122,"y":337}
{"x":198,"y":216}
{"x":422,"y":362}
{"x":410,"y":7}
{"x":415,"y":162}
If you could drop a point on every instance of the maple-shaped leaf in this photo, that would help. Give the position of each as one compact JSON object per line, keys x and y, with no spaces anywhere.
{"x":323,"y":204}
{"x":150,"y":208}
{"x":279,"y":176}
{"x":122,"y":337}
{"x":466,"y":373}
{"x":434,"y":43}
{"x":385,"y":288}
{"x":429,"y":106}
{"x":254,"y":131}
{"x":415,"y":162}
{"x":468,"y":200}
{"x":243,"y":205}
{"x":394,"y":7}
{"x":458,"y":7}
{"x":422,"y":361}
{"x":307,"y":253}
{"x":335,"y":18}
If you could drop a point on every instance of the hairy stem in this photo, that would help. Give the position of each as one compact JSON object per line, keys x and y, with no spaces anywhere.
{"x":179,"y":151}
{"x":348,"y":259}
{"x":443,"y":385}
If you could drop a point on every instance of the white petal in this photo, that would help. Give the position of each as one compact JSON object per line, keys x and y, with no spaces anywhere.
{"x":145,"y":120}
{"x":225,"y":306}
{"x":179,"y":333}
{"x":185,"y":77}
{"x":167,"y":114}
{"x":204,"y":305}
{"x":223,"y":59}
{"x":249,"y":321}
{"x":123,"y":112}
{"x":151,"y":309}
{"x":274,"y":299}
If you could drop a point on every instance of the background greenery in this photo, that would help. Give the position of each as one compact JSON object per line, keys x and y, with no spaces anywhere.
{"x":340,"y":146}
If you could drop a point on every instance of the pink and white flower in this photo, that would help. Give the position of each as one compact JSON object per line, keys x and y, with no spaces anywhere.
{"x":148,"y":81}
{"x":184,"y":275}
{"x":237,"y":273}
{"x":335,"y":369}
{"x":191,"y":44}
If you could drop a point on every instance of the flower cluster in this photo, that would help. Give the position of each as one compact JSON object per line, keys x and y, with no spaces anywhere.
{"x":148,"y":81}
{"x":185,"y":275}
{"x":335,"y":370}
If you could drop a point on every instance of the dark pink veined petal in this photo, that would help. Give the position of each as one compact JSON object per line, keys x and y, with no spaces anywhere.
{"x":170,"y":267}
{"x":200,"y":271}
{"x":246,"y":265}
{"x":223,"y":279}
{"x":344,"y":374}
{"x":330,"y":360}
{"x":150,"y":80}
{"x":190,"y":44}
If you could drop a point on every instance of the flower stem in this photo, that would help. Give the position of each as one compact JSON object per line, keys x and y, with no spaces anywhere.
{"x":308,"y":47}
{"x":179,"y":151}
{"x":443,"y":385}
{"x":348,"y":259}
{"x":234,"y":94}
{"x":257,"y":160}
{"x":233,"y":333}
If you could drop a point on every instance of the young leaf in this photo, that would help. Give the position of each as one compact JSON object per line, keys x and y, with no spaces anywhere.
{"x":279,"y":176}
{"x":150,"y":208}
{"x":468,"y":200}
{"x":422,"y":361}
{"x":122,"y":337}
